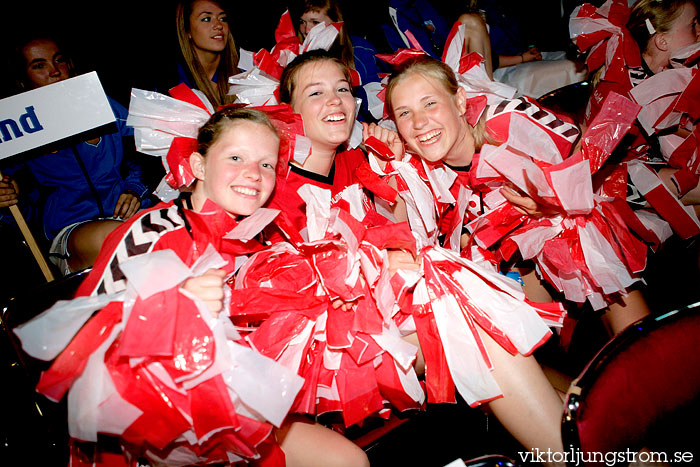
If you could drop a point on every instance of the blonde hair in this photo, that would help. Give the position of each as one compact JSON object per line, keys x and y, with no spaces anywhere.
{"x":432,"y":68}
{"x":647,"y":18}
{"x":653,"y":16}
{"x":228,"y":65}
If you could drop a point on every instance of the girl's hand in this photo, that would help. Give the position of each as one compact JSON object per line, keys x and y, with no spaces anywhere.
{"x":525,"y":205}
{"x":209,"y":287}
{"x":399,"y":259}
{"x":531,"y":55}
{"x":386,"y":136}
{"x":127,"y":205}
{"x":9,"y":192}
{"x":338,"y":303}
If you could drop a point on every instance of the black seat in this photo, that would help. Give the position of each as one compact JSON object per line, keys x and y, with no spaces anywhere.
{"x":33,"y":428}
{"x":640,"y":391}
{"x":569,"y":100}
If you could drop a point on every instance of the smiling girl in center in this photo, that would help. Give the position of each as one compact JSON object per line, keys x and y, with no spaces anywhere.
{"x":319,"y":89}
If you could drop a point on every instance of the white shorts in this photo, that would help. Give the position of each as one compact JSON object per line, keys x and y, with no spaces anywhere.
{"x":58,"y":253}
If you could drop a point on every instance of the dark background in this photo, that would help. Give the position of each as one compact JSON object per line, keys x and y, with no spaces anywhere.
{"x":129,"y":43}
{"x":133,"y":44}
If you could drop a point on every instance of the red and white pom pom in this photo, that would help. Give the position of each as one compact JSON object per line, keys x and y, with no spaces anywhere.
{"x":471,"y":73}
{"x":167,"y":127}
{"x":352,"y":356}
{"x":602,"y":33}
{"x":154,"y":368}
{"x":451,"y":302}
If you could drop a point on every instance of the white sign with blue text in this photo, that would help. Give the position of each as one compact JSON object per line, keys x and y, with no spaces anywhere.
{"x":51,"y":113}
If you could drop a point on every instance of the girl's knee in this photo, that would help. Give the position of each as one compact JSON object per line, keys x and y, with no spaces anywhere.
{"x":85,"y":241}
{"x":91,"y":235}
{"x":419,"y":364}
{"x":309,"y":444}
{"x":353,"y":456}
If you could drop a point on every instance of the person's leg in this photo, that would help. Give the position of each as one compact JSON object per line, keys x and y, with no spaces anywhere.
{"x":85,"y":242}
{"x":419,"y":364}
{"x":476,"y":38}
{"x":533,"y":286}
{"x":691,"y":198}
{"x":626,"y":311}
{"x":530,"y":408}
{"x":308,"y":444}
{"x":559,"y":381}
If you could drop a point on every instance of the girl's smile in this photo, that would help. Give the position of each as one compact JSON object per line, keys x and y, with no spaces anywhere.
{"x":431,"y":120}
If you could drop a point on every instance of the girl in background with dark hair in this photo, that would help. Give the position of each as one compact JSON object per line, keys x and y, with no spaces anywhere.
{"x":313,"y":12}
{"x":352,"y":48}
{"x":43,"y":62}
{"x":78,"y":190}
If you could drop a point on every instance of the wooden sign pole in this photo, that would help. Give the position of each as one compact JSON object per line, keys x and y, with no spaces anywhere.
{"x":46,"y":115}
{"x":29,"y":238}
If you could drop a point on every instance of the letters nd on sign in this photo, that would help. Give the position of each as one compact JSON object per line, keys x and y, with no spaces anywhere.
{"x":27,"y":121}
{"x":51,"y":113}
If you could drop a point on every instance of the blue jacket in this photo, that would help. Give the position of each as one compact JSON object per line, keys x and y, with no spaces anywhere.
{"x":505,"y":33}
{"x":423,"y":20}
{"x":64,"y":192}
{"x":366,"y":64}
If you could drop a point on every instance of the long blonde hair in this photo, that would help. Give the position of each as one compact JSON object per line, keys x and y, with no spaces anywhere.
{"x":428,"y":66}
{"x":228,"y":65}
